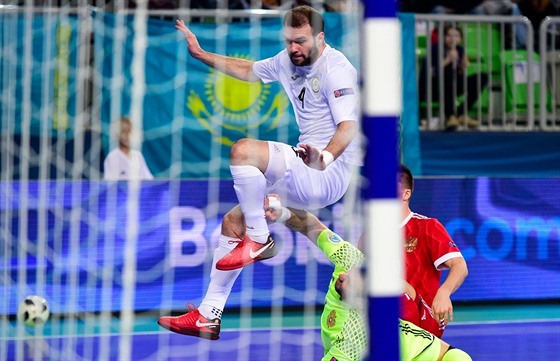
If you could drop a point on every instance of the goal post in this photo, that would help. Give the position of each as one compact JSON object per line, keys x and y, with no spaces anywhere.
{"x":382,"y":108}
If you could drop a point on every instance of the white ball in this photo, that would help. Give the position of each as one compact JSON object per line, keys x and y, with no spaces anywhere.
{"x":33,"y":311}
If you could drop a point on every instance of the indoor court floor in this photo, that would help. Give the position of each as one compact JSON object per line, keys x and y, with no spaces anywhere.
{"x":487,"y":333}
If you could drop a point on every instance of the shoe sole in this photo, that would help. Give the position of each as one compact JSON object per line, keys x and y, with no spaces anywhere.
{"x":269,"y":253}
{"x":205,"y":335}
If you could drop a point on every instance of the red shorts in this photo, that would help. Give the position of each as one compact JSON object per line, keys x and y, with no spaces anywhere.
{"x":419,"y":313}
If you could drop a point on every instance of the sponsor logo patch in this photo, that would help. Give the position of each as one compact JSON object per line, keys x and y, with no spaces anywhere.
{"x":345,"y":91}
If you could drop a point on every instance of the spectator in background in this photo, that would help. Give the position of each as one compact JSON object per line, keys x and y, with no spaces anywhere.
{"x":439,"y":6}
{"x":124,"y":163}
{"x":454,"y":64}
{"x":535,"y":11}
{"x":113,"y":5}
{"x":455,"y":7}
{"x":326,"y":5}
{"x":494,"y":7}
{"x":475,"y":7}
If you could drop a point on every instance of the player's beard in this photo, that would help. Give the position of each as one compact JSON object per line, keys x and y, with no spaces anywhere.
{"x":310,"y":59}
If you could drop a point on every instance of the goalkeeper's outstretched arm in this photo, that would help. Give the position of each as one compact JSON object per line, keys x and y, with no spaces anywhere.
{"x":297,"y":220}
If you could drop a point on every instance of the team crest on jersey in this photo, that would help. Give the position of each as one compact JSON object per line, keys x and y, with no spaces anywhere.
{"x":333,"y":237}
{"x":228,"y":108}
{"x":344,"y":91}
{"x":315,"y":84}
{"x":331,"y":319}
{"x":410,"y":244}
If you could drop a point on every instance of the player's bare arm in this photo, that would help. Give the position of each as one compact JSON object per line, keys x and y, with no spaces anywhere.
{"x":346,"y":131}
{"x":305,"y":223}
{"x":316,"y":159}
{"x":442,"y":306}
{"x":241,"y":69}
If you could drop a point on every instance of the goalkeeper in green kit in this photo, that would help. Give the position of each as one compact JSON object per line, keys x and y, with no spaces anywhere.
{"x":343,"y":328}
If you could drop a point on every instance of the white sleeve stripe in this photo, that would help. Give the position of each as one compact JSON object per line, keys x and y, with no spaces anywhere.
{"x":439,"y":263}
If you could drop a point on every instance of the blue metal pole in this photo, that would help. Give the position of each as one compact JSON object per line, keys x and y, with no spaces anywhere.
{"x":382,"y":105}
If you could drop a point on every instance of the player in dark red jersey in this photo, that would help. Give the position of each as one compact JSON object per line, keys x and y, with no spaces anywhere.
{"x":428,"y":250}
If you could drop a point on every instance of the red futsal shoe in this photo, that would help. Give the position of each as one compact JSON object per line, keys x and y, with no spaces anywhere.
{"x":246,"y":252}
{"x":192,"y":323}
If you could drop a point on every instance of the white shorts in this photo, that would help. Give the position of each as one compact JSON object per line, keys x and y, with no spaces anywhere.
{"x":301,"y":187}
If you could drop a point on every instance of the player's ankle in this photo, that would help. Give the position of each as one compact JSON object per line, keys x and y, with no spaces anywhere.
{"x":210,"y":312}
{"x":258,"y":236}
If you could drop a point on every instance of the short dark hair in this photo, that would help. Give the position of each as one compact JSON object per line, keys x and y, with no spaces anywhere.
{"x":449,"y":26}
{"x":303,"y":15}
{"x":406,"y":178}
{"x":125,"y":120}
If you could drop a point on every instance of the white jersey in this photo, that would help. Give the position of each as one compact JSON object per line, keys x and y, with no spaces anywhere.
{"x":119,"y":166}
{"x":322,"y":95}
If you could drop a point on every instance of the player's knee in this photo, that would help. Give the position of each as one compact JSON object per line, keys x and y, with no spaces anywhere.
{"x":240,"y":150}
{"x":455,"y":354}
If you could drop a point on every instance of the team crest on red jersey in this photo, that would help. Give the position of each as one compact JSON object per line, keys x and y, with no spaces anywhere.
{"x":410,"y":244}
{"x":331,"y":319}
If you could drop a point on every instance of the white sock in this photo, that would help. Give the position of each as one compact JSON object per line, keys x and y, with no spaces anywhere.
{"x":221,"y":282}
{"x":250,"y":186}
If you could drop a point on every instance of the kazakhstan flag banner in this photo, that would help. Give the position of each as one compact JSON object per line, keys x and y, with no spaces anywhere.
{"x":39,"y":70}
{"x":191,"y":113}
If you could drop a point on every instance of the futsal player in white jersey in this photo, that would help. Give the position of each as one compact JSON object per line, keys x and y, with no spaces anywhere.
{"x":322,"y":86}
{"x":123,"y":162}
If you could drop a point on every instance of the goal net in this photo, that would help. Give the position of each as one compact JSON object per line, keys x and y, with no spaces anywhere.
{"x":110,"y":257}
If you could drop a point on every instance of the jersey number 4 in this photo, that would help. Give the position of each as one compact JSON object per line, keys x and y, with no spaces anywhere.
{"x":301,"y":97}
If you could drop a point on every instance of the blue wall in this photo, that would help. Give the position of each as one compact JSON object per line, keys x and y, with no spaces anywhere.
{"x":508,"y":230}
{"x":491,"y":154}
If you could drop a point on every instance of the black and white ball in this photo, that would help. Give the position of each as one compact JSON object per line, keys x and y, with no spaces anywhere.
{"x":33,"y":311}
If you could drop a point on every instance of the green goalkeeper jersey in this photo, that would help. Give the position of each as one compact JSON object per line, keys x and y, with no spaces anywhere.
{"x":342,"y":326}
